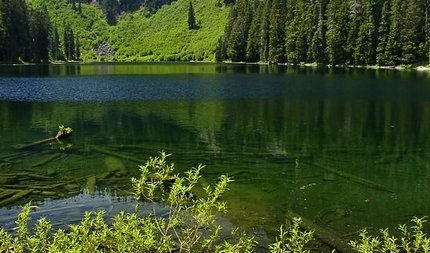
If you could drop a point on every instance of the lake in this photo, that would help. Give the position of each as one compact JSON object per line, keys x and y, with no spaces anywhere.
{"x":345,"y":148}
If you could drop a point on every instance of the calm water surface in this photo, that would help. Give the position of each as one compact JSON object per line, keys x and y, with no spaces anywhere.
{"x":346,"y":149}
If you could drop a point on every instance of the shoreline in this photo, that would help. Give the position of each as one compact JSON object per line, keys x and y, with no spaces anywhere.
{"x":420,"y":68}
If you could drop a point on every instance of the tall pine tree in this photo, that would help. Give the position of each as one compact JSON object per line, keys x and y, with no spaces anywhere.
{"x":337,"y":31}
{"x":14,"y":20}
{"x":393,"y":47}
{"x":253,"y":44}
{"x":40,"y":27}
{"x":277,"y":32}
{"x":318,"y":44}
{"x":191,"y":17}
{"x":383,"y":33}
{"x":411,"y":33}
{"x":69,"y":43}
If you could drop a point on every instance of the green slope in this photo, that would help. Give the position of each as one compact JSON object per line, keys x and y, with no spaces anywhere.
{"x":165,"y":35}
{"x":139,"y":37}
{"x":90,"y":26}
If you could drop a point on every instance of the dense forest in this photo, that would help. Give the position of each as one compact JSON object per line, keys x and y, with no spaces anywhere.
{"x":336,"y":32}
{"x":355,"y":32}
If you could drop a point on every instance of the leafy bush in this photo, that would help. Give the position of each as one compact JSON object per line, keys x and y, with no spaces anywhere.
{"x":189,"y":226}
{"x":413,"y":239}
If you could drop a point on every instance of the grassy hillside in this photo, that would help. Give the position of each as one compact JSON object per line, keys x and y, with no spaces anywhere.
{"x":140,"y":37}
{"x":165,"y":35}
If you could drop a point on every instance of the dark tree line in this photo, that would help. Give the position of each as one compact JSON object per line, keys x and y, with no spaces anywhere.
{"x":26,"y":34}
{"x":358,"y":32}
{"x":112,"y":8}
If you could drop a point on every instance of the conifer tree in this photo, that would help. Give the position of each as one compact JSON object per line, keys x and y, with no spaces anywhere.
{"x":237,"y":41}
{"x":39,"y":28}
{"x":69,"y":43}
{"x":254,"y":35}
{"x":392,"y":51}
{"x":292,"y":31}
{"x":337,"y":21}
{"x":265,"y":30}
{"x":356,"y":13}
{"x":77,"y":49}
{"x":55,"y":45}
{"x":14,"y":19}
{"x":277,"y":32}
{"x":383,"y":32}
{"x":110,"y":9}
{"x":411,"y":32}
{"x":191,"y":17}
{"x":318,"y":45}
{"x":79,"y":7}
{"x":427,"y":30}
{"x":365,"y":44}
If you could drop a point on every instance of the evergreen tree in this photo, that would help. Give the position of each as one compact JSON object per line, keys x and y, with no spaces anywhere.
{"x":265,"y":30}
{"x":55,"y":45}
{"x":77,"y":49}
{"x":238,"y":37}
{"x":40,"y":27}
{"x":383,"y":32}
{"x":427,"y":30}
{"x":277,"y":32}
{"x":191,"y":17}
{"x":392,"y":51}
{"x":292,"y":31}
{"x":365,"y":44}
{"x":221,"y":51}
{"x":355,"y":20}
{"x":253,"y":43}
{"x":318,"y":45}
{"x":14,"y":20}
{"x":337,"y":21}
{"x":69,"y":43}
{"x":411,"y":32}
{"x":301,"y":25}
{"x":110,"y":9}
{"x":79,"y":7}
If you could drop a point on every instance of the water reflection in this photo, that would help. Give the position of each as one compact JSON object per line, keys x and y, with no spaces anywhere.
{"x":319,"y":143}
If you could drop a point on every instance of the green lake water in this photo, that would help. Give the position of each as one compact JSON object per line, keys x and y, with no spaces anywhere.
{"x":346,"y":149}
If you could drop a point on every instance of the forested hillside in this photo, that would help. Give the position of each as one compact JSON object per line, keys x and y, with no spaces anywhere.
{"x":107,"y":30}
{"x":337,"y":32}
{"x":356,"y":32}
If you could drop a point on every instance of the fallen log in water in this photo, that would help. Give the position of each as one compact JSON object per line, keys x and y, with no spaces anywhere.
{"x":355,"y":179}
{"x":115,"y":154}
{"x":47,"y":160}
{"x":6,"y":194}
{"x":15,"y":197}
{"x":62,"y":133}
{"x":13,"y":156}
{"x":24,"y":176}
{"x":322,"y":234}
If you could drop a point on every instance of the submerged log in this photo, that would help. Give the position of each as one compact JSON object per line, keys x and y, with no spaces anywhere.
{"x":356,"y":179}
{"x":47,"y":160}
{"x":115,"y":154}
{"x":6,"y":194}
{"x":11,"y":179}
{"x":13,"y":156}
{"x":18,"y":195}
{"x":322,"y":234}
{"x":62,"y":133}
